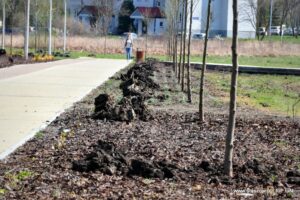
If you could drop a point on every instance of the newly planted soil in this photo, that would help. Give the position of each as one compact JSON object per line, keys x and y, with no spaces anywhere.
{"x":168,"y":156}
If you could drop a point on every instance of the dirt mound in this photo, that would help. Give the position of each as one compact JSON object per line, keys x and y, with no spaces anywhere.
{"x":111,"y":161}
{"x":140,"y":75}
{"x":137,"y":86}
{"x":128,"y":109}
{"x":104,"y":107}
{"x":104,"y":158}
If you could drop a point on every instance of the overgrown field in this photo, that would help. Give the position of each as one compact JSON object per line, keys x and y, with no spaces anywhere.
{"x":158,"y":45}
{"x":90,"y":153}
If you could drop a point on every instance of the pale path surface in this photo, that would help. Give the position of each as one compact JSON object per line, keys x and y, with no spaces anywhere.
{"x":31,"y":98}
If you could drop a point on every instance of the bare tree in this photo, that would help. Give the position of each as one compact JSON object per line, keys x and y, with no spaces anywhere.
{"x":26,"y":41}
{"x":50,"y":29}
{"x":181,"y":17}
{"x":104,"y":18}
{"x":201,"y":109}
{"x":294,"y":15}
{"x":172,"y":10}
{"x":12,"y":6}
{"x":189,"y":93}
{"x":249,"y":9}
{"x":233,"y":94}
{"x":184,"y":44}
{"x":65,"y":26}
{"x":3,"y":23}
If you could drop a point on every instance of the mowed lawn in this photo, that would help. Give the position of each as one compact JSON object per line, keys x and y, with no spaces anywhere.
{"x":265,"y":92}
{"x":282,"y":61}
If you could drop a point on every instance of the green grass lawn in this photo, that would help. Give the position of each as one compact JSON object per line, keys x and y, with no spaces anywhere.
{"x":282,"y":61}
{"x":78,"y":54}
{"x":266,"y":92}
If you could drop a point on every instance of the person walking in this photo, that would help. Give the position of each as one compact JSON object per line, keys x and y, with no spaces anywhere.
{"x":128,"y":46}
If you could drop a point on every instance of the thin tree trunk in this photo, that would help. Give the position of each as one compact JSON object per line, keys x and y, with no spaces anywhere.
{"x":176,"y":53}
{"x":3,"y":24}
{"x":105,"y":44}
{"x":184,"y":45}
{"x":189,"y":93}
{"x":181,"y":46}
{"x":26,"y":41}
{"x":233,"y":92}
{"x":36,"y":27}
{"x":50,"y":29}
{"x":174,"y":44}
{"x":201,"y":109}
{"x":65,"y":26}
{"x":11,"y":33}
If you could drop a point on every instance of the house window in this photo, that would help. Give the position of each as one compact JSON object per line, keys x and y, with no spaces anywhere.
{"x":161,"y":24}
{"x":158,"y":3}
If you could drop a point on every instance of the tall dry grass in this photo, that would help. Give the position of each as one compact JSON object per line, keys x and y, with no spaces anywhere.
{"x":158,"y":46}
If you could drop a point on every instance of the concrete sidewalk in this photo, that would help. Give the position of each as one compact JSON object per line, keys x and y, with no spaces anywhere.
{"x":31,"y":98}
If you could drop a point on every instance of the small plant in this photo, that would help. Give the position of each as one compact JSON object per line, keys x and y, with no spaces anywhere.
{"x":63,"y":137}
{"x":22,"y":175}
{"x":273,"y":178}
{"x":39,"y":135}
{"x":2,"y":191}
{"x":280,"y":143}
{"x":14,"y":178}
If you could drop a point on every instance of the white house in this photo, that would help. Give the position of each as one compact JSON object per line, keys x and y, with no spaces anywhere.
{"x":85,"y":11}
{"x":149,"y":17}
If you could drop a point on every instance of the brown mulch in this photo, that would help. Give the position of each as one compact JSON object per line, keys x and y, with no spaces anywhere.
{"x":171,"y":156}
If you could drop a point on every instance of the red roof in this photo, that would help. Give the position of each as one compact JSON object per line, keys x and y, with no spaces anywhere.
{"x":152,"y":12}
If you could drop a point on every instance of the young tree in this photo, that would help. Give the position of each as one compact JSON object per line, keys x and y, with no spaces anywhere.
{"x":50,"y":29}
{"x":65,"y":26}
{"x":184,"y":44}
{"x":103,"y":18}
{"x":201,"y":99}
{"x":262,"y":16}
{"x":172,"y":10}
{"x":189,"y":94}
{"x":26,"y":41}
{"x":233,"y":93}
{"x":181,"y":40}
{"x":249,"y":10}
{"x":294,"y":15}
{"x":12,"y":8}
{"x":3,"y":23}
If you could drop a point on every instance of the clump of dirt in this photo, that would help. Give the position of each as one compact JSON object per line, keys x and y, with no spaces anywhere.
{"x":107,"y":159}
{"x":104,"y":107}
{"x":137,"y":86}
{"x":128,"y":109}
{"x":137,"y":81}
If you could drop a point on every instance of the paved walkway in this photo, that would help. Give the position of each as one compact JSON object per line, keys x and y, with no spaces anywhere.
{"x":31,"y":96}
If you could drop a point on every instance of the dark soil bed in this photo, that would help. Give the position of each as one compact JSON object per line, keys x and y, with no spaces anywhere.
{"x":168,"y":156}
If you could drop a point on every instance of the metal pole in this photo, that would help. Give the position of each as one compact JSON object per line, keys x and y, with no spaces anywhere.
{"x":26,"y":45}
{"x":50,"y":29}
{"x":3,"y":24}
{"x":271,"y":15}
{"x":65,"y":27}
